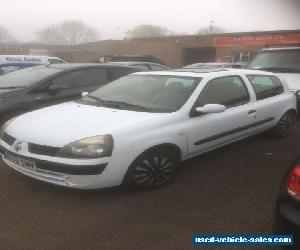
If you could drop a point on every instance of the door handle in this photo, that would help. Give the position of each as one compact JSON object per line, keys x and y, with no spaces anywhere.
{"x":251,"y":112}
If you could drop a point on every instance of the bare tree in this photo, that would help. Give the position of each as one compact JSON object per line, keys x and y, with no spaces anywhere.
{"x":146,"y":30}
{"x":69,"y":32}
{"x":6,"y":37}
{"x":210,"y":29}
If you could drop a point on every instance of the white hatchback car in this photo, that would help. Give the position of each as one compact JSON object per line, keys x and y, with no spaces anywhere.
{"x":137,"y":129}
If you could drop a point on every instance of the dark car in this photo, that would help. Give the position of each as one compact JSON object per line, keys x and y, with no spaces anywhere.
{"x":147,"y":66}
{"x":287,"y":215}
{"x":44,"y":85}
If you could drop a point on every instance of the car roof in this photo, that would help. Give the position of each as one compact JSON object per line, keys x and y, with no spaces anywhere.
{"x":206,"y":72}
{"x":85,"y":65}
{"x":212,"y":63}
{"x":282,"y":48}
{"x":133,"y":62}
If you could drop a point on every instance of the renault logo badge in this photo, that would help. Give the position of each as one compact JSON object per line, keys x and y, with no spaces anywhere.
{"x":18,"y":146}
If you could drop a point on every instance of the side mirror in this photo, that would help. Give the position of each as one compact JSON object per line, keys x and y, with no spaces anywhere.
{"x":53,"y":90}
{"x":84,"y":94}
{"x":211,"y":108}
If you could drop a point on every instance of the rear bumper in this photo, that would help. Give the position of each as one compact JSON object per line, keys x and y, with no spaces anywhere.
{"x":298,"y":103}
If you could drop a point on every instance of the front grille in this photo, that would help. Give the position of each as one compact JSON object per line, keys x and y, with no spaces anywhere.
{"x":8,"y":139}
{"x":42,"y":150}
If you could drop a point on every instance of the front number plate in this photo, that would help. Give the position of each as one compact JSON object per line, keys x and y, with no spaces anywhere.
{"x":29,"y":165}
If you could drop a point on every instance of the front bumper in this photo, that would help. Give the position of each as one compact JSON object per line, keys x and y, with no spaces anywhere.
{"x":73,"y":176}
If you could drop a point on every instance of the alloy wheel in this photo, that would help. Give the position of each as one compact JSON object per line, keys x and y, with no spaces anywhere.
{"x":285,"y":123}
{"x":153,"y":171}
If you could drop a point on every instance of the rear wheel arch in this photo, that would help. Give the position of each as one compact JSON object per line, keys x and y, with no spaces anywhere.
{"x":285,"y":123}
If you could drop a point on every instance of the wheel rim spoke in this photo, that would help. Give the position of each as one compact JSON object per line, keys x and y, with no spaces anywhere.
{"x":286,"y":123}
{"x":154,"y":171}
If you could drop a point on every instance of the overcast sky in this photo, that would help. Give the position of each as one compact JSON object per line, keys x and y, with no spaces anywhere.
{"x":113,"y":17}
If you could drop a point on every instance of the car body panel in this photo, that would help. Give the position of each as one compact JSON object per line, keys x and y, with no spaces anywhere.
{"x":55,"y":123}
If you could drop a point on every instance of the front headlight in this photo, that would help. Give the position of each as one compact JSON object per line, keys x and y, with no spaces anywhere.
{"x":91,"y":147}
{"x":4,"y":127}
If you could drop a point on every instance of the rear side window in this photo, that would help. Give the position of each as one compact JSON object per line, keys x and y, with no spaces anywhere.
{"x":82,"y":78}
{"x":229,"y":91}
{"x":265,"y":86}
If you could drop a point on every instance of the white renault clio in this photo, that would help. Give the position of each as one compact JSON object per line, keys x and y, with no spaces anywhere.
{"x":137,"y":129}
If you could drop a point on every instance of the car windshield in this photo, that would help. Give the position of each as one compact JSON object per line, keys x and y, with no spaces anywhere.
{"x":277,"y":60}
{"x":152,"y":93}
{"x":26,"y":77}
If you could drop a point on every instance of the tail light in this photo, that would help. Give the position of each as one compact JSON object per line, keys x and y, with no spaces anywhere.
{"x":294,"y":182}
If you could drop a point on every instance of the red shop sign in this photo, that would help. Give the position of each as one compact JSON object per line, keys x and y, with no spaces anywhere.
{"x":257,"y":40}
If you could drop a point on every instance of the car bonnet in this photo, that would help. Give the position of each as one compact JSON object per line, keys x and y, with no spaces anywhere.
{"x":64,"y":123}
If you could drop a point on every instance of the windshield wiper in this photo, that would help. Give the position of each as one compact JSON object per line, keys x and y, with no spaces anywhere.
{"x":278,"y":69}
{"x":95,"y":98}
{"x":118,"y":104}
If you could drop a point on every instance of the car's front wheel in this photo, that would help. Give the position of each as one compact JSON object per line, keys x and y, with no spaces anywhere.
{"x":285,"y":124}
{"x":152,"y":170}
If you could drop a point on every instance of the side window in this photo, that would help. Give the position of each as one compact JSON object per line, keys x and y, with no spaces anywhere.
{"x":117,"y":73}
{"x":230,"y":91}
{"x":157,"y":67}
{"x":82,"y":78}
{"x":265,"y":86}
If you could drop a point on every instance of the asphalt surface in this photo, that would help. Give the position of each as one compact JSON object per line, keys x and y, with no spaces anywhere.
{"x":231,"y":191}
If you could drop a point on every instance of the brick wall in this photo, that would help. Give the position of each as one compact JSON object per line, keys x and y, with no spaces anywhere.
{"x":171,"y":50}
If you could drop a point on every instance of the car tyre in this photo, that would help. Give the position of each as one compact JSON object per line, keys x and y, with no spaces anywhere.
{"x":152,"y":170}
{"x":285,"y":124}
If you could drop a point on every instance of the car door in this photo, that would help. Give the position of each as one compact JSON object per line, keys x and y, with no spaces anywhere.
{"x":270,"y":101}
{"x":70,"y":85}
{"x":207,"y":131}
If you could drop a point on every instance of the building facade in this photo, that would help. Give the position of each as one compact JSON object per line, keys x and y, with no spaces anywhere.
{"x":174,"y":51}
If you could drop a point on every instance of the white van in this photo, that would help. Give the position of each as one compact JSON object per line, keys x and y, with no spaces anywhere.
{"x":9,"y":63}
{"x":285,"y":62}
{"x":29,"y":59}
